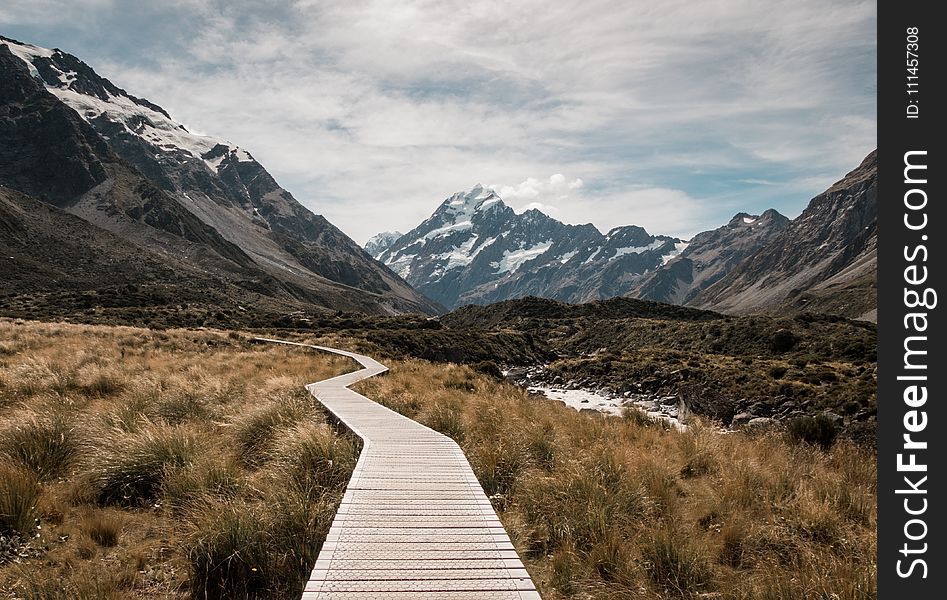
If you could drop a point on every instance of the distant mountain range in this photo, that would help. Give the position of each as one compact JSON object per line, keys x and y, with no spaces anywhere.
{"x":82,"y":159}
{"x":709,"y":256}
{"x":105,"y":197}
{"x":825,"y":260}
{"x":474,"y":249}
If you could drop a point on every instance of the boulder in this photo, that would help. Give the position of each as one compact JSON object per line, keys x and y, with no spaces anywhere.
{"x":742,"y":419}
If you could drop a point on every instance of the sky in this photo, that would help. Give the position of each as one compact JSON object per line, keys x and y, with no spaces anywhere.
{"x":671,"y":115}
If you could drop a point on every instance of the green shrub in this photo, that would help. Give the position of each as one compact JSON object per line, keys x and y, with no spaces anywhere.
{"x":783,"y":340}
{"x":489,"y":368}
{"x":819,"y":431}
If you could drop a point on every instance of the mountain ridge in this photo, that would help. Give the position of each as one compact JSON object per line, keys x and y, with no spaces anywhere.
{"x":79,"y":142}
{"x":476,"y":249}
{"x":825,"y":260}
{"x":709,"y":256}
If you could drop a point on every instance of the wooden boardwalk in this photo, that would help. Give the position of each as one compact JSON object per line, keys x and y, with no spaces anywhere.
{"x":414,"y":522}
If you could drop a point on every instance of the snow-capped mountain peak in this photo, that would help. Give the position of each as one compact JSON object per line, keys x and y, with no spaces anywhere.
{"x":97,"y":99}
{"x":381,"y":242}
{"x":477,"y":199}
{"x":475,"y":248}
{"x":121,"y":164}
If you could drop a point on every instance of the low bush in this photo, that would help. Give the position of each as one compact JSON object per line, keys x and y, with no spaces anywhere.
{"x":819,"y":431}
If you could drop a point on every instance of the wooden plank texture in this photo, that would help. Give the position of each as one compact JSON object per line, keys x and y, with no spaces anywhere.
{"x":414,"y":522}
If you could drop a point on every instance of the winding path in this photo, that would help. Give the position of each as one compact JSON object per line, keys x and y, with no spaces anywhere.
{"x":414,"y":522}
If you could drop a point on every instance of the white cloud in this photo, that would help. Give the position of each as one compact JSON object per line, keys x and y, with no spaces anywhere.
{"x":533,"y":193}
{"x":372,"y":111}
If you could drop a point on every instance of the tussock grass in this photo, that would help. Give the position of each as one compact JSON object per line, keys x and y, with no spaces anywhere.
{"x":227,"y":551}
{"x":46,"y":446}
{"x":262,"y":548}
{"x":19,"y":492}
{"x":162,"y":464}
{"x":103,"y":527}
{"x":255,"y":431}
{"x":313,"y":456}
{"x":213,"y":476}
{"x":675,"y":564}
{"x":624,"y":508}
{"x":80,"y":584}
{"x":130,"y":469}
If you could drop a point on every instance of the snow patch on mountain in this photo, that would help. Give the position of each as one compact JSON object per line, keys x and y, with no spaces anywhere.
{"x":592,"y":256}
{"x":675,"y":252}
{"x":448,"y":229}
{"x":26,"y":53}
{"x":638,"y":249}
{"x":513,"y":260}
{"x":151,"y":125}
{"x":402,"y":264}
{"x":214,"y":163}
{"x":460,"y":256}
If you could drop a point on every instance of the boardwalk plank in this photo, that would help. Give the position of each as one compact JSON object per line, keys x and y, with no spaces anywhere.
{"x":414,"y":522}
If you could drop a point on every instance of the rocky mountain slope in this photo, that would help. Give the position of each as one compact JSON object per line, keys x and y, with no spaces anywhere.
{"x":708,"y":257}
{"x":381,"y":242}
{"x":825,"y":260}
{"x":474,"y":249}
{"x":74,"y":140}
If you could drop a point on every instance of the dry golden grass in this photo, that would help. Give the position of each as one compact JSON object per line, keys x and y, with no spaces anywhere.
{"x":190,"y":464}
{"x":144,"y":457}
{"x":623,"y":508}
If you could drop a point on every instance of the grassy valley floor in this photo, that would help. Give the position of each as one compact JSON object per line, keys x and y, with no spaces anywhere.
{"x":173,"y":464}
{"x":190,"y":464}
{"x":624,"y":508}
